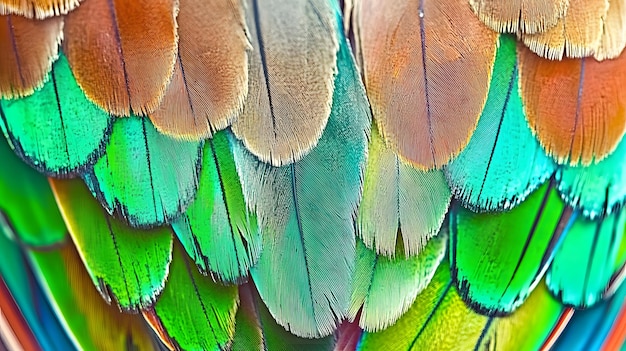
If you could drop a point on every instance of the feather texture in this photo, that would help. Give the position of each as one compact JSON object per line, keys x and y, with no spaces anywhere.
{"x":37,"y":8}
{"x":613,"y":38}
{"x":525,"y":16}
{"x":384,"y":288}
{"x":125,"y":267}
{"x":29,"y":48}
{"x":127,"y":69}
{"x":145,"y":178}
{"x":577,"y":34}
{"x":498,"y":258}
{"x":217,"y":230}
{"x":191,"y":306}
{"x":56,"y":130}
{"x":210,"y":80}
{"x":576,"y":107}
{"x":289,"y":96}
{"x":305,"y":205}
{"x":413,"y":69}
{"x":399,"y":199}
{"x":503,"y":162}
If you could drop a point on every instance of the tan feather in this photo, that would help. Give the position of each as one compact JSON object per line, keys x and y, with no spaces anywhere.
{"x":28,"y":47}
{"x":513,"y":16}
{"x":576,"y":35}
{"x":291,"y":77}
{"x":427,"y":66}
{"x":37,"y":8}
{"x":210,"y":79}
{"x":614,"y":33}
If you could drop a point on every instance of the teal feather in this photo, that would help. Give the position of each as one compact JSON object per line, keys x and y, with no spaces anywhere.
{"x":306,"y":212}
{"x":57,"y":130}
{"x":598,"y":189}
{"x":145,"y":178}
{"x":584,"y":264}
{"x":503,"y":162}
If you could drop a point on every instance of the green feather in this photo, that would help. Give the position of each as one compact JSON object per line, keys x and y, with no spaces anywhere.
{"x":145,"y":177}
{"x":497,"y":258}
{"x":437,"y":320}
{"x":248,"y":333}
{"x":398,"y":197}
{"x":217,"y":230}
{"x":584,"y":263}
{"x":440,"y":320}
{"x":384,"y":288}
{"x":126,"y":264}
{"x":27,"y":204}
{"x":92,"y":323}
{"x":306,"y":212}
{"x":266,"y":333}
{"x":503,"y":162}
{"x":598,"y":189}
{"x":57,"y":130}
{"x":195,"y":312}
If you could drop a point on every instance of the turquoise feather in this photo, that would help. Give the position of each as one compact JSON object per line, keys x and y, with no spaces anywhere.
{"x":145,"y":177}
{"x":584,"y":263}
{"x":503,"y":162}
{"x":598,"y":189}
{"x":306,"y":212}
{"x":57,"y":130}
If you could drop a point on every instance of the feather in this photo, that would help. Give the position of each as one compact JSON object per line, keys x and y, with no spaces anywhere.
{"x":193,"y":313}
{"x":304,"y":206}
{"x":576,"y":107}
{"x":27,"y":205}
{"x":290,"y":95}
{"x":28,"y":49}
{"x":599,"y":189}
{"x":30,"y":296}
{"x":145,"y":178}
{"x":439,"y":320}
{"x":384,"y":288}
{"x":613,"y":38}
{"x":515,"y":16}
{"x":577,"y":34}
{"x":414,"y":68}
{"x":122,"y":53}
{"x":125,"y":267}
{"x":56,"y":130}
{"x":217,"y":230}
{"x":503,"y":162}
{"x":15,"y":332}
{"x":589,"y":328}
{"x":498,"y":258}
{"x":210,"y":80}
{"x":248,"y":332}
{"x":92,"y":323}
{"x":275,"y":337}
{"x":583,"y":264}
{"x":37,"y":8}
{"x":436,"y":312}
{"x":398,"y":198}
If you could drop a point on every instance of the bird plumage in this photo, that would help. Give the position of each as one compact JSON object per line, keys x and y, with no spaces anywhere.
{"x":273,"y":175}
